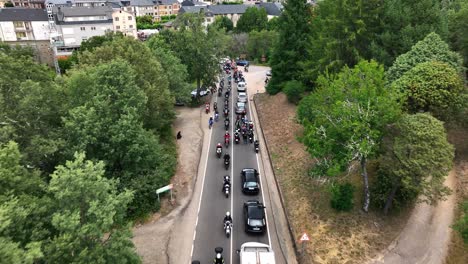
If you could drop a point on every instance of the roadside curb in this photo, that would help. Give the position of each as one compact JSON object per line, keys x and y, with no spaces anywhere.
{"x":267,"y":165}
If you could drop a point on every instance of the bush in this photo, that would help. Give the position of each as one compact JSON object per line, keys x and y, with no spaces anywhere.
{"x":462,"y":224}
{"x":294,"y":91}
{"x":342,"y":196}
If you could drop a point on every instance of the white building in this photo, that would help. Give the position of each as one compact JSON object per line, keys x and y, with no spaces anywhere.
{"x":75,"y":24}
{"x":124,"y":22}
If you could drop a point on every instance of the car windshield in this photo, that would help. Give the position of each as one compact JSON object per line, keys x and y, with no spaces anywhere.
{"x":242,"y":95}
{"x":240,"y":105}
{"x":256,"y":212}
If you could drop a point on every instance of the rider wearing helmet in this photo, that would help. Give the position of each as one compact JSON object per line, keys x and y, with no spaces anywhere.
{"x":218,"y":259}
{"x":228,"y":217}
{"x":227,"y":135}
{"x":227,"y":156}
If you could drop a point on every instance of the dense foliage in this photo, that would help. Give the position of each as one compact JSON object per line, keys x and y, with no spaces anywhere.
{"x":253,"y":19}
{"x":415,"y":161}
{"x":294,"y":34}
{"x":345,"y":118}
{"x":342,"y":196}
{"x":461,"y":225}
{"x":260,"y":44}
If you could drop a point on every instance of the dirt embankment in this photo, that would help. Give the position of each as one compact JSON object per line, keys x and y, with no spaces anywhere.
{"x":351,"y":237}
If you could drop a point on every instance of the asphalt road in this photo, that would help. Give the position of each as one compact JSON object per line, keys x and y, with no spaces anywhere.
{"x":209,"y":232}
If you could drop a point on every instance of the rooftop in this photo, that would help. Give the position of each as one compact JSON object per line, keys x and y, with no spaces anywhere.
{"x":22,"y":14}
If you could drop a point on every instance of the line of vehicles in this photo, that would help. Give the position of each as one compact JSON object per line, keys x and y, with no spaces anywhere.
{"x":253,"y":210}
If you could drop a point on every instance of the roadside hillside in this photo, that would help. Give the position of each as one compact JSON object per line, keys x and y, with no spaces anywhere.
{"x":351,"y":237}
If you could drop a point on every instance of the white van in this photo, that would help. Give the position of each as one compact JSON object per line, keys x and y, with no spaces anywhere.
{"x":256,"y":253}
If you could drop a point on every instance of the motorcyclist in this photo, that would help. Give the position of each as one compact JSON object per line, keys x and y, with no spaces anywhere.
{"x":227,"y":156}
{"x":210,"y":122}
{"x":256,"y":143}
{"x":227,"y":217}
{"x":215,"y":106}
{"x":218,"y":259}
{"x":226,"y":123}
{"x":219,"y":146}
{"x":227,"y":182}
{"x":227,"y":135}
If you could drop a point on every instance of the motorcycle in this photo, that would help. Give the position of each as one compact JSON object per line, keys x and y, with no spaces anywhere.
{"x":227,"y":228}
{"x":226,"y":142}
{"x":237,"y":139}
{"x":207,"y":108}
{"x":226,"y":112}
{"x":226,"y":164}
{"x":226,"y":125}
{"x":219,"y":151}
{"x":256,"y":146}
{"x":251,"y":136}
{"x":220,"y":92}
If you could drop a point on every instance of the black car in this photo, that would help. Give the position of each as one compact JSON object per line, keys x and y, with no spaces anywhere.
{"x":242,"y":62}
{"x":254,"y":217}
{"x":250,"y":183}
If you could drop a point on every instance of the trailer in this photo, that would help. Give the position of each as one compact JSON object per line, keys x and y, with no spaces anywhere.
{"x":256,"y":253}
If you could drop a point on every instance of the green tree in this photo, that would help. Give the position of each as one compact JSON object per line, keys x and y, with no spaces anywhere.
{"x":294,"y":32}
{"x":197,"y":48}
{"x":253,"y":19}
{"x":273,"y":24}
{"x":416,"y":161}
{"x":343,"y":31}
{"x":173,"y":67}
{"x":89,"y":216}
{"x":405,"y":22}
{"x":458,"y":35}
{"x":10,"y":250}
{"x":223,"y":22}
{"x":9,"y":4}
{"x":108,"y":126}
{"x":261,"y":43}
{"x":150,"y":77}
{"x":31,"y":105}
{"x":434,"y":87}
{"x":345,"y":118}
{"x":431,"y":48}
{"x":238,"y":44}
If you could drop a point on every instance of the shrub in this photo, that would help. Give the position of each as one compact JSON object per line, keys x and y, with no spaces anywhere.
{"x":342,"y":196}
{"x":462,"y":224}
{"x":294,"y":91}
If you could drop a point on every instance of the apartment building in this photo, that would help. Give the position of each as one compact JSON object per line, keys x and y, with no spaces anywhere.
{"x":124,"y":22}
{"x":27,"y":27}
{"x":28,"y":3}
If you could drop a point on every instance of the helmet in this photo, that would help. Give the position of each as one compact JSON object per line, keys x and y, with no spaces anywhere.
{"x":227,"y":132}
{"x":218,"y":255}
{"x":228,"y":214}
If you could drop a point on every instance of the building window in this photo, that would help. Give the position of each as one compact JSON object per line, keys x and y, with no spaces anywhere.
{"x":82,"y":28}
{"x":18,"y":24}
{"x":117,"y":27}
{"x":129,"y":18}
{"x":20,"y":35}
{"x":84,"y":38}
{"x":131,"y":26}
{"x":116,"y":18}
{"x":93,"y":28}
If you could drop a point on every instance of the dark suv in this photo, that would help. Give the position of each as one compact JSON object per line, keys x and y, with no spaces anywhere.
{"x":254,"y":217}
{"x":250,"y":183}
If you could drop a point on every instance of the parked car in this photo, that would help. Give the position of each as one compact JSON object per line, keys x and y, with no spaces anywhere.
{"x":203,"y":92}
{"x":254,"y":217}
{"x":241,"y":108}
{"x":268,"y":73}
{"x":241,"y":86}
{"x":250,"y":182}
{"x":242,"y":97}
{"x":242,"y":62}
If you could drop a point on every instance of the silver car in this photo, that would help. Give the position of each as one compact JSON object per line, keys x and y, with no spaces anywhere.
{"x":242,"y":97}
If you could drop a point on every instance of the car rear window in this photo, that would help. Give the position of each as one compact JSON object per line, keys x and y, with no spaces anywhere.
{"x":256,"y":212}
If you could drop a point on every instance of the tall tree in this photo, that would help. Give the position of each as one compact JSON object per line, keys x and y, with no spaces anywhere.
{"x":199,"y":49}
{"x":343,"y":32}
{"x":173,"y":67}
{"x":253,"y":19}
{"x":223,"y":22}
{"x":261,"y":43}
{"x":151,"y":77}
{"x":108,"y":126}
{"x":458,"y":35}
{"x":294,"y":32}
{"x":434,"y":87}
{"x":344,"y":119}
{"x":431,"y":48}
{"x":89,"y":216}
{"x":416,"y":161}
{"x":405,"y":22}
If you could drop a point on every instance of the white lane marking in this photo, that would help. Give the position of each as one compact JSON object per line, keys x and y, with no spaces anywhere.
{"x":261,"y":184}
{"x":201,"y":193}
{"x":232,"y":168}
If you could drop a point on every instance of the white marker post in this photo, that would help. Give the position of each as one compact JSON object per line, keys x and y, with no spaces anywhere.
{"x":304,"y":238}
{"x":164,"y":189}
